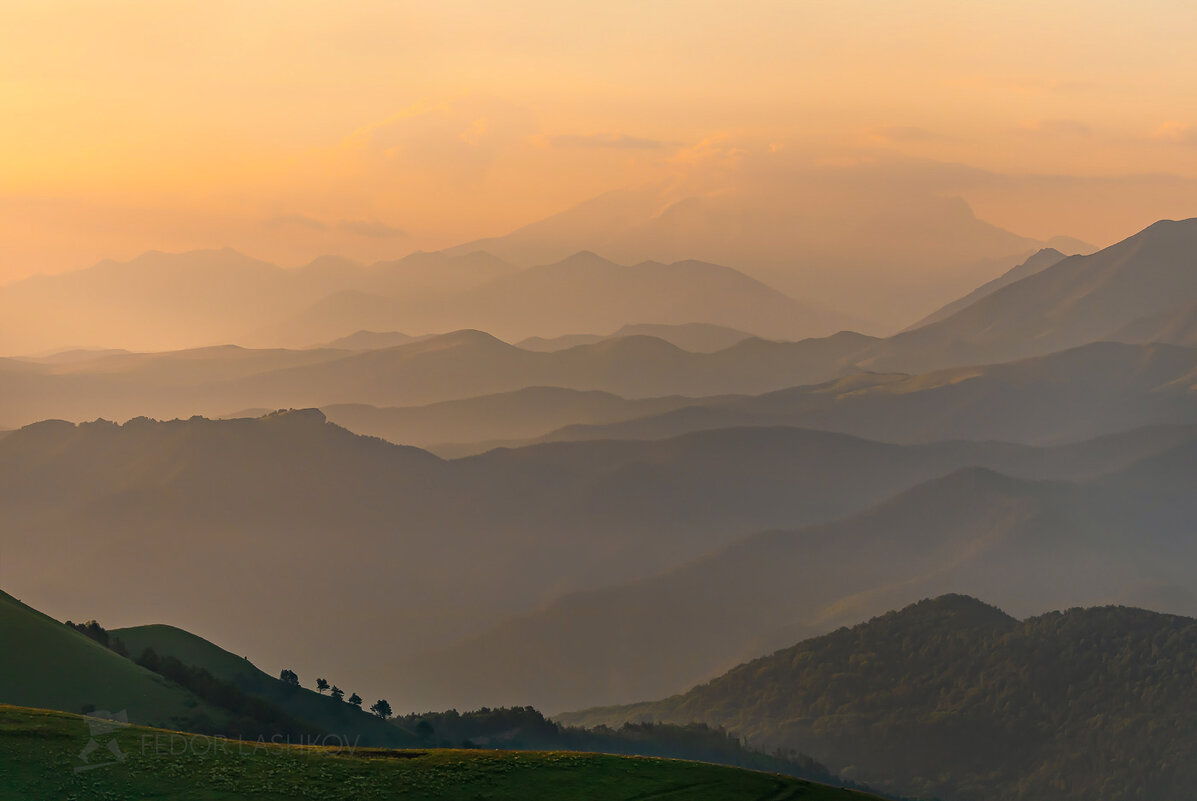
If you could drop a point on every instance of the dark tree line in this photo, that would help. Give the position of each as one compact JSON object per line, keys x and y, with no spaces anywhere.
{"x":98,"y":633}
{"x":380,"y":708}
{"x":252,"y":717}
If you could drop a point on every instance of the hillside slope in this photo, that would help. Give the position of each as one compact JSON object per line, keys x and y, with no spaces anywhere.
{"x":45,"y":663}
{"x":954,"y":699}
{"x":1038,"y":262}
{"x":323,"y":712}
{"x":1078,"y":300}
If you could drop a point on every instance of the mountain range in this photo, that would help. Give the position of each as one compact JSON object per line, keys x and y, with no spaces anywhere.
{"x":220,"y":381}
{"x":1071,"y":395}
{"x":162,"y":301}
{"x":1135,"y":290}
{"x":863,"y":238}
{"x":290,"y":501}
{"x":1031,"y":544}
{"x":471,"y":425}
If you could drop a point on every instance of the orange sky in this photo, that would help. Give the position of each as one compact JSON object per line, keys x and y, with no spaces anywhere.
{"x":288,"y":128}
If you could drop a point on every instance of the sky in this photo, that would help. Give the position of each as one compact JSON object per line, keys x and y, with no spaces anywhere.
{"x":371,"y":128}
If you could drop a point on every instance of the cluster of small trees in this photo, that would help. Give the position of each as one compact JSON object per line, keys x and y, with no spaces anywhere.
{"x":380,"y":707}
{"x":100,"y":634}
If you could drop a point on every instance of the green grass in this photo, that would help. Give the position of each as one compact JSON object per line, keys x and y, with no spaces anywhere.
{"x":188,"y":648}
{"x":44,"y":663}
{"x":40,"y":751}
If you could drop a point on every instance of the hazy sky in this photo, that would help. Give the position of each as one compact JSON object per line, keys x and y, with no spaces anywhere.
{"x":370,"y":128}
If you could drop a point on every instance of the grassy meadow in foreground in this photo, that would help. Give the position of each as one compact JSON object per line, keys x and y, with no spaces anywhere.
{"x":42,"y":756}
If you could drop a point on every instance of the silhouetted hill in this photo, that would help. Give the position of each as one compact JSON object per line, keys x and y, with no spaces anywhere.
{"x":951,"y":698}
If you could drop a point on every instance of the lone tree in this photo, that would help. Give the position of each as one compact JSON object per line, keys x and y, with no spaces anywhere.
{"x":381,"y":708}
{"x":289,"y":678}
{"x":356,"y":700}
{"x":321,"y":685}
{"x":337,"y":693}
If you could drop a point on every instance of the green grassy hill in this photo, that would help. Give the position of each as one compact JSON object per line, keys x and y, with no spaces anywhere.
{"x":188,"y":648}
{"x":42,"y":752}
{"x":44,"y":663}
{"x":306,"y":705}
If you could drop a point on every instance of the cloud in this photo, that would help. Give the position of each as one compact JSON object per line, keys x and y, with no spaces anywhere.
{"x":375,"y":229}
{"x":297,"y":221}
{"x":1179,"y":133}
{"x":614,"y":141}
{"x":457,"y":141}
{"x":1070,"y":86}
{"x":905,"y":133}
{"x":1059,"y":127}
{"x":718,"y":149}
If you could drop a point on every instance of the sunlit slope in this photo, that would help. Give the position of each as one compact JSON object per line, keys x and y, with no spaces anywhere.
{"x":1075,"y":301}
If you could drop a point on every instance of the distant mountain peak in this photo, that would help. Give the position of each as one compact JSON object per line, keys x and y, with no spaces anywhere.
{"x":955,"y":603}
{"x":952,"y":611}
{"x":296,"y":416}
{"x":585,"y":258}
{"x":463,"y":338}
